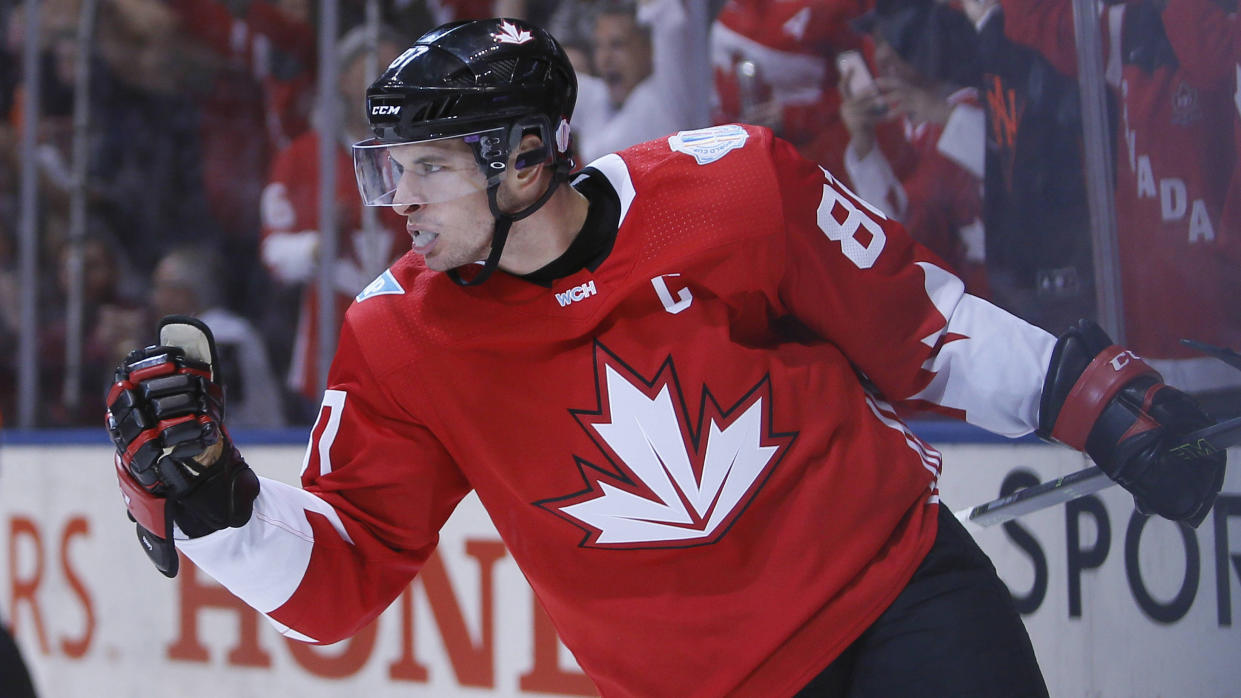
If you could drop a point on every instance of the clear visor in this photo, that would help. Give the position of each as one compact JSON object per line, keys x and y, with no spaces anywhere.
{"x":430,"y":171}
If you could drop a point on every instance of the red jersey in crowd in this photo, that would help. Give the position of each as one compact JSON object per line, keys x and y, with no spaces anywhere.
{"x":1176,"y":99}
{"x":931,"y":182}
{"x":275,"y":47}
{"x":290,"y":210}
{"x":690,"y":415}
{"x":257,"y":99}
{"x":785,"y":52}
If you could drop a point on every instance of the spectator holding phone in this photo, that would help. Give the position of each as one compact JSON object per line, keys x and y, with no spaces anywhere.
{"x":927,"y":174}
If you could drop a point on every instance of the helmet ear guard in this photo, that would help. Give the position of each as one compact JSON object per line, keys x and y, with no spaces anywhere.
{"x":538,"y":155}
{"x":492,"y":152}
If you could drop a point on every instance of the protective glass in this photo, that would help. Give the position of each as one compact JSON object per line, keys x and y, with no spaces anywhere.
{"x":430,"y":171}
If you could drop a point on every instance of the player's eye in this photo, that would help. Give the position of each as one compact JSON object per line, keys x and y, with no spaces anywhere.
{"x":425,"y":168}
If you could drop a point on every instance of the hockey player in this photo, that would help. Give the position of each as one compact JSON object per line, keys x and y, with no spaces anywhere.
{"x":671,"y":383}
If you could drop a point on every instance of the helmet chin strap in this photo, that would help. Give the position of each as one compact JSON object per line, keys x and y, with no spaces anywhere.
{"x":504,"y":221}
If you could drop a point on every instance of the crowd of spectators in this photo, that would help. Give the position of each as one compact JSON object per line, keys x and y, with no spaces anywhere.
{"x":962,"y":119}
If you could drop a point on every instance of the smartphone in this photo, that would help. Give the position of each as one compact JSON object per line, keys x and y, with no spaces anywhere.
{"x":852,"y":67}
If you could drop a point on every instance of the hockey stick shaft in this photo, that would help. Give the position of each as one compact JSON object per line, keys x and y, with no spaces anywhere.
{"x":1216,"y":437}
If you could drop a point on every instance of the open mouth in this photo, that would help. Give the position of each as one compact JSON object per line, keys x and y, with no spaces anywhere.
{"x":423,"y":240}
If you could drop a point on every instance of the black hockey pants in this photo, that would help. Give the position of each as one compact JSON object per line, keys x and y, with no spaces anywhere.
{"x":952,"y":633}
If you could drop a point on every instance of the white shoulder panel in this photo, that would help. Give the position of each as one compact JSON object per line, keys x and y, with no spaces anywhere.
{"x":617,"y":173}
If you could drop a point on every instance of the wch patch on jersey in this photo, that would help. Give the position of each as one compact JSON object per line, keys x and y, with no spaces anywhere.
{"x":707,"y":145}
{"x":383,"y":284}
{"x":577,"y":293}
{"x":672,"y":483}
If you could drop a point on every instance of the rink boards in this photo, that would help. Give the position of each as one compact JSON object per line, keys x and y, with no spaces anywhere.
{"x":1117,"y":605}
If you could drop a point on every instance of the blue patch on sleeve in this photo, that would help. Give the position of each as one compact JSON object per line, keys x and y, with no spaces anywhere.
{"x":383,"y":284}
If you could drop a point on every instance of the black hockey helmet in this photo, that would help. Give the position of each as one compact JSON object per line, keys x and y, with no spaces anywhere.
{"x":486,"y":83}
{"x":473,"y":76}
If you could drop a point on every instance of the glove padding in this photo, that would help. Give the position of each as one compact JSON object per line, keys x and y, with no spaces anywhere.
{"x":174,"y":460}
{"x":1103,"y":399}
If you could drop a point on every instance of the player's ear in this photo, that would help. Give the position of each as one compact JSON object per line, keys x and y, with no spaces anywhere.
{"x":530,"y":148}
{"x":524,"y":185}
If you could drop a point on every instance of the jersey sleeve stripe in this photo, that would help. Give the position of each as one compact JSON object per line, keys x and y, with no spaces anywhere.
{"x":263,"y":562}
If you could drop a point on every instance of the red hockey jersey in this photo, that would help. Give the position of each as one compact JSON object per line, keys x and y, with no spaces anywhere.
{"x":690,"y":451}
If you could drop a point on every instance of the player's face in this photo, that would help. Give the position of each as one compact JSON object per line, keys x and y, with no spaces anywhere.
{"x":455,"y":228}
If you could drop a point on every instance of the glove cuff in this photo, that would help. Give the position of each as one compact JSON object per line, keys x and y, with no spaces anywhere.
{"x":1106,"y":375}
{"x":224,"y":499}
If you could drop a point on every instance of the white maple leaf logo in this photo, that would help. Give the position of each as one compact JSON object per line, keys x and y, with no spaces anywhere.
{"x":672,"y":487}
{"x":510,"y":34}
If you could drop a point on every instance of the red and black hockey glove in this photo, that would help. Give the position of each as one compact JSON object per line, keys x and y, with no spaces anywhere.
{"x":174,"y":460}
{"x":1103,"y":399}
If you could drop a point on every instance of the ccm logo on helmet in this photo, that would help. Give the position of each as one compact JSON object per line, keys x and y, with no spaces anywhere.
{"x":385,"y":110}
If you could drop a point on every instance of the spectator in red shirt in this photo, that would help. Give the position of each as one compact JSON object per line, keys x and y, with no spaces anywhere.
{"x":774,"y":65}
{"x":290,"y":211}
{"x":929,"y":174}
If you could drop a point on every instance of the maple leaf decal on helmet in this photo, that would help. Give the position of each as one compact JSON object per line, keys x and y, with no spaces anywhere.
{"x":671,"y":485}
{"x":510,"y":34}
